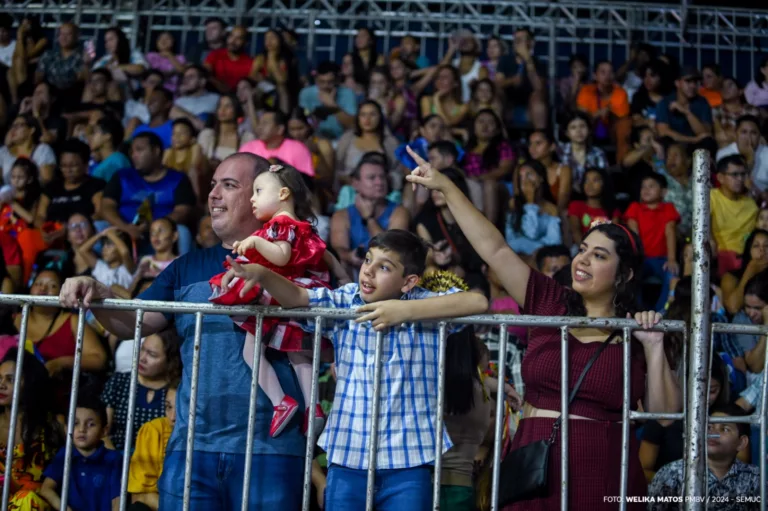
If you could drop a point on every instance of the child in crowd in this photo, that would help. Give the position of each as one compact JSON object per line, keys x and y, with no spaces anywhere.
{"x":387,"y":292}
{"x":734,"y":212}
{"x":116,"y":264}
{"x":163,"y":236}
{"x":147,"y":460}
{"x":206,"y":238}
{"x":656,"y":223}
{"x":289,"y":245}
{"x":95,"y":475}
{"x":184,"y":154}
{"x":550,"y":259}
{"x":599,"y":203}
{"x":762,"y":218}
{"x":18,"y":206}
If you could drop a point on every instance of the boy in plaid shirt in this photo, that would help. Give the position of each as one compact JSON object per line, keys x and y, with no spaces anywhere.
{"x":387,"y":291}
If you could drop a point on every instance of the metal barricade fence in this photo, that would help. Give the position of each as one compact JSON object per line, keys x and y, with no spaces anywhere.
{"x":319,"y":316}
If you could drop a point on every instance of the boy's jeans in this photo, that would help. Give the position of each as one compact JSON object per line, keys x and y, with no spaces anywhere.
{"x":217,"y":482}
{"x":654,"y":266}
{"x":407,"y":489}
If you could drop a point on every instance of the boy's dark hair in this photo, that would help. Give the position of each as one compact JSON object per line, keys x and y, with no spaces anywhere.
{"x":280,"y":118}
{"x":733,"y":410}
{"x":328,"y":67}
{"x":411,"y":249}
{"x":153,"y":140}
{"x":106,"y":73}
{"x":661,"y":180}
{"x":91,"y":401}
{"x":551,"y":251}
{"x":734,"y":159}
{"x":78,"y":147}
{"x":186,"y":122}
{"x":634,"y":136}
{"x":446,"y":148}
{"x":108,"y":124}
{"x":601,"y":62}
{"x":150,"y":72}
{"x":748,"y":118}
{"x":371,"y":158}
{"x":715,"y":67}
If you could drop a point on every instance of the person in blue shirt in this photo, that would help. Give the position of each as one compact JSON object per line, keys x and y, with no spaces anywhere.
{"x":387,"y":290}
{"x":225,"y":378}
{"x":107,"y":136}
{"x":333,"y":105}
{"x":94,"y":483}
{"x":685,"y":116}
{"x":159,"y":105}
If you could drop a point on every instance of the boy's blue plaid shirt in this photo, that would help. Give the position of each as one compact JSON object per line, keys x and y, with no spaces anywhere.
{"x":409,"y":382}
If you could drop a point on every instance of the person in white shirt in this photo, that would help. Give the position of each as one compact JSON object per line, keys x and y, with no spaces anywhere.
{"x":196,"y":102}
{"x":749,"y":144}
{"x":116,"y":264}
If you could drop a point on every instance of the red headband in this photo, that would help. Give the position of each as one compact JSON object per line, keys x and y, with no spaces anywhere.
{"x":627,"y":231}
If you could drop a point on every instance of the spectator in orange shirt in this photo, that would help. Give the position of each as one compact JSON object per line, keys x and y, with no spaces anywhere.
{"x":608,"y":105}
{"x":712,"y":85}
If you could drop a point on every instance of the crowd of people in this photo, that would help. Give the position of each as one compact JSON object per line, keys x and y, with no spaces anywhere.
{"x":397,"y":184}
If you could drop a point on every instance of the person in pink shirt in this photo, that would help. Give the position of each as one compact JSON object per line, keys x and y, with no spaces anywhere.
{"x":272,"y":143}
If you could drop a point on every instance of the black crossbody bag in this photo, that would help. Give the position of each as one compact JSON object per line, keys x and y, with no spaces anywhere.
{"x":523,"y":473}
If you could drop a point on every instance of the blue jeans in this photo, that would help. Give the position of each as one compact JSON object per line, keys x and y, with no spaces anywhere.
{"x":184,"y":245}
{"x":407,"y":489}
{"x":217,"y":482}
{"x":654,"y":267}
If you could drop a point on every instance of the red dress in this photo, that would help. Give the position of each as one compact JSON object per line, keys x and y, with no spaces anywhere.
{"x":305,"y":269}
{"x":594,"y":445}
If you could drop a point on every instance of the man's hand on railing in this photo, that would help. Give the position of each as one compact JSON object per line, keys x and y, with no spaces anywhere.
{"x":82,"y":291}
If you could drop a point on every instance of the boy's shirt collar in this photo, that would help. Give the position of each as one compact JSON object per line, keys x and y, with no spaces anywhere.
{"x":357,"y":299}
{"x":97,"y":455}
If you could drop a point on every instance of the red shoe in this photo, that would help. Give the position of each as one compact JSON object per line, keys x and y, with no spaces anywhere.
{"x":319,"y":420}
{"x":284,"y":412}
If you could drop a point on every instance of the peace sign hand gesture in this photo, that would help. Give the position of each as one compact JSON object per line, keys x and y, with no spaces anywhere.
{"x":425,"y":174}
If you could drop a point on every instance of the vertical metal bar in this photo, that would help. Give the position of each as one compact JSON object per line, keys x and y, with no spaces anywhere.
{"x":374,"y":433}
{"x":313,"y":391}
{"x":124,"y":498}
{"x":192,"y":410}
{"x":439,"y":422}
{"x":497,"y":435}
{"x":763,"y":432}
{"x":565,"y":384}
{"x":255,"y":362}
{"x":11,"y":443}
{"x":552,"y":72}
{"x":685,"y":392}
{"x":625,"y":409}
{"x":72,"y":407}
{"x":311,"y":36}
{"x":696,"y":469}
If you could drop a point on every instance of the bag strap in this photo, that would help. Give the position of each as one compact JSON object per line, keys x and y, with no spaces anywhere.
{"x":584,"y":372}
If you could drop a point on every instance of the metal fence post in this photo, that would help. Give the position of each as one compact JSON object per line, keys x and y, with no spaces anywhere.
{"x":698,"y":374}
{"x":313,"y":392}
{"x":255,"y":363}
{"x":373,"y":436}
{"x":192,"y":410}
{"x":439,"y":422}
{"x":498,"y":433}
{"x":565,"y":384}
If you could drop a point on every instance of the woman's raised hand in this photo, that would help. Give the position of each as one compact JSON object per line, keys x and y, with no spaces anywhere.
{"x":425,"y":174}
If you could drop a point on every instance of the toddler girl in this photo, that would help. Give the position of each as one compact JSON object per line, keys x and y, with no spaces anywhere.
{"x":287,"y":245}
{"x":116,"y":263}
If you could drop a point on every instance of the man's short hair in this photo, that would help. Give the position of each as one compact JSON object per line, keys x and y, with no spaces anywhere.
{"x":732,"y":410}
{"x":152,"y":139}
{"x":108,"y":124}
{"x":168,"y":95}
{"x":106,"y":73}
{"x":149,"y":72}
{"x":734,"y":159}
{"x":280,"y":118}
{"x":257,"y":163}
{"x":410,"y":248}
{"x":551,"y":251}
{"x":445,"y":148}
{"x":186,"y":122}
{"x":328,"y":67}
{"x":601,"y":62}
{"x":76,"y":146}
{"x":215,"y":19}
{"x":655,"y":176}
{"x":200,"y":69}
{"x":370,"y":158}
{"x":747,"y":118}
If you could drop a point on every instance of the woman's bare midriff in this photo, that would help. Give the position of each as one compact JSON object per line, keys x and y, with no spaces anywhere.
{"x":531,"y":412}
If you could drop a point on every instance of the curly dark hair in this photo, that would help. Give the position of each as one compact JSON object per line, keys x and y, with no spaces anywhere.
{"x":628,"y":272}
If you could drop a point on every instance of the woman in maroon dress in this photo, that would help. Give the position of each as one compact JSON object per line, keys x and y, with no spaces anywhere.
{"x":605,"y":281}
